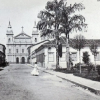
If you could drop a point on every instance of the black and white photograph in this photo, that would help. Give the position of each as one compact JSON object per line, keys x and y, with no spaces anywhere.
{"x":49,"y":49}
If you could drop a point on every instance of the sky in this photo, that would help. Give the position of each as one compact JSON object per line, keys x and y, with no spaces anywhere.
{"x":24,"y":13}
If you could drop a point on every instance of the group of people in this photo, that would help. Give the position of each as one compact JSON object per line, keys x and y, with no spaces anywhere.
{"x":35,"y":71}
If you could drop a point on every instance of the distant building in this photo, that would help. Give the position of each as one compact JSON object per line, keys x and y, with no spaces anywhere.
{"x":32,"y":52}
{"x":17,"y":45}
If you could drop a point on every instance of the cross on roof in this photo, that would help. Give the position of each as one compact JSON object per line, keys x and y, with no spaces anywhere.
{"x":9,"y":26}
{"x":22,"y":28}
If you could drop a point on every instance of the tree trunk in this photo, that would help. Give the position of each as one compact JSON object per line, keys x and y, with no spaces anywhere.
{"x":95,"y":61}
{"x":79,"y":61}
{"x":57,"y":56}
{"x":67,"y":52}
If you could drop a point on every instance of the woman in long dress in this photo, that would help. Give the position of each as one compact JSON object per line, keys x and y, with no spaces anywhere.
{"x":35,"y":71}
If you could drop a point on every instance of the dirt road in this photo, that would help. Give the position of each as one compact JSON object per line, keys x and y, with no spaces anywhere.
{"x":16,"y":83}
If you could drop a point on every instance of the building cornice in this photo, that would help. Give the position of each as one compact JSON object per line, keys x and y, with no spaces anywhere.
{"x":18,"y":44}
{"x":35,"y":34}
{"x":21,"y":38}
{"x":21,"y":34}
{"x":9,"y":34}
{"x":38,"y":43}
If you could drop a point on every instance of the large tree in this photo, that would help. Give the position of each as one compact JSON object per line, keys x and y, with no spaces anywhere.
{"x":70,"y":22}
{"x":79,"y":43}
{"x":58,"y":18}
{"x":49,"y":23}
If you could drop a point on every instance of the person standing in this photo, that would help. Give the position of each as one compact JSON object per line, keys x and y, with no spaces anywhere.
{"x":35,"y":71}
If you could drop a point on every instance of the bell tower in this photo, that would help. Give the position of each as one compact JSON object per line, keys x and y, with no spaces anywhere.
{"x":10,"y":49}
{"x":35,"y":34}
{"x":9,"y":34}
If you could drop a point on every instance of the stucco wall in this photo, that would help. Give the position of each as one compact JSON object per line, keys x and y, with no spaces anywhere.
{"x":62,"y":61}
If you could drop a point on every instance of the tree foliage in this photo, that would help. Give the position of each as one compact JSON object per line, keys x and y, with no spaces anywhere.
{"x":50,"y":18}
{"x":71,"y":21}
{"x":93,"y":48}
{"x":79,"y":42}
{"x":58,"y":15}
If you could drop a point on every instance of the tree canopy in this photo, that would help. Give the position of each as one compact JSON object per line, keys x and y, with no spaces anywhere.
{"x":79,"y":42}
{"x":57,"y":16}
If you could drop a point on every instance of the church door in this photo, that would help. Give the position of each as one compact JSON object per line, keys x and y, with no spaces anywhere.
{"x":23,"y":60}
{"x":17,"y":60}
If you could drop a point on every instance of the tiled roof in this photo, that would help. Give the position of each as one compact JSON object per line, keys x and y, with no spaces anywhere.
{"x":37,"y":43}
{"x":88,"y":42}
{"x":52,"y":43}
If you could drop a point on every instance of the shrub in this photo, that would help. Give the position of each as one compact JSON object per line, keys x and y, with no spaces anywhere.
{"x":86,"y":58}
{"x":90,"y":67}
{"x":98,"y":69}
{"x":77,"y":66}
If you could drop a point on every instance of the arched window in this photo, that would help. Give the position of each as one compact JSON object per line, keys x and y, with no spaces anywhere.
{"x":22,"y":50}
{"x":9,"y":40}
{"x":9,"y":50}
{"x":35,"y":39}
{"x":16,"y":50}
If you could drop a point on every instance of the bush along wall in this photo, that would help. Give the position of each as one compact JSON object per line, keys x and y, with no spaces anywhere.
{"x":89,"y":73}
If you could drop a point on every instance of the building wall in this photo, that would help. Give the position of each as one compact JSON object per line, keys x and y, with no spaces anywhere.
{"x":86,"y":49}
{"x":16,"y":51}
{"x":10,"y":38}
{"x":33,"y":54}
{"x":50,"y":57}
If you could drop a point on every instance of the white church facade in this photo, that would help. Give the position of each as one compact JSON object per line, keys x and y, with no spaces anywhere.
{"x":17,"y":45}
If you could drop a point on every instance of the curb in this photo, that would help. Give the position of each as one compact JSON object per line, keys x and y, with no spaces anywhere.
{"x":97,"y":92}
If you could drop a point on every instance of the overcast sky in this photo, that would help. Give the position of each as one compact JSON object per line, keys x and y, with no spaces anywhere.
{"x":24,"y":13}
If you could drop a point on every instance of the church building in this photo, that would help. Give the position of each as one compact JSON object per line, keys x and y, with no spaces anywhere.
{"x":17,"y":45}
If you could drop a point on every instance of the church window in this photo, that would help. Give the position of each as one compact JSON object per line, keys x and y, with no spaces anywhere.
{"x":9,"y":50}
{"x":22,"y":50}
{"x":35,"y":39}
{"x":16,"y":50}
{"x":9,"y":40}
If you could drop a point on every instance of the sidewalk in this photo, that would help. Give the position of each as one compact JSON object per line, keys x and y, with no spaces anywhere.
{"x":90,"y":85}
